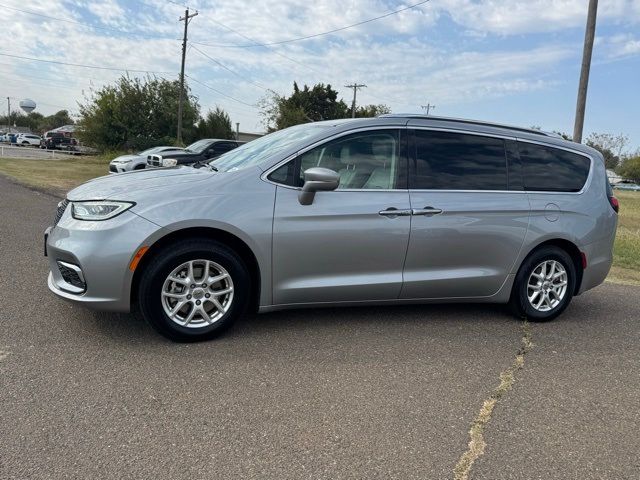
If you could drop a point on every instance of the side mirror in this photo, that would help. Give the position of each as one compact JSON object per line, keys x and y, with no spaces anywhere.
{"x":317,"y":179}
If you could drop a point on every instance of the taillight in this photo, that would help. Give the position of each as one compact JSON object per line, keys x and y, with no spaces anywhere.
{"x":615,"y":204}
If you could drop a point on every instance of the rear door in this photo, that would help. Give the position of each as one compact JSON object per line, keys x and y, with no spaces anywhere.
{"x":469,"y":218}
{"x":349,"y":244}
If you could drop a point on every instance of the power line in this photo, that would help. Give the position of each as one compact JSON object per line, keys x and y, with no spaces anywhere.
{"x":86,"y":25}
{"x":218,"y":91}
{"x":230,"y":70}
{"x":82,"y":65}
{"x":315,"y":35}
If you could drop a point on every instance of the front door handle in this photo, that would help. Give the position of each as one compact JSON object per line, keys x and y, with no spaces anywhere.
{"x":394,"y":212}
{"x":428,"y":211}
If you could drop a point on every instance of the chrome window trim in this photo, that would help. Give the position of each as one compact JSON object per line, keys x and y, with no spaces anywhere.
{"x":587,"y":182}
{"x":268,"y":171}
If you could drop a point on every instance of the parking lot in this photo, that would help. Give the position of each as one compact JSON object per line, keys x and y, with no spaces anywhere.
{"x":352,"y":393}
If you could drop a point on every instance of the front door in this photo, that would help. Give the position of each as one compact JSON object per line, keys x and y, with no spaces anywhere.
{"x":349,"y":244}
{"x":467,"y":226}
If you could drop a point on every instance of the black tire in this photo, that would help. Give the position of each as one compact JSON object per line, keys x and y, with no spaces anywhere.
{"x":519,"y":301}
{"x":139,"y":167}
{"x":172,"y":256}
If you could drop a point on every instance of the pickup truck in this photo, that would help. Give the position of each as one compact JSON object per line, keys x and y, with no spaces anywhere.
{"x":206,"y":149}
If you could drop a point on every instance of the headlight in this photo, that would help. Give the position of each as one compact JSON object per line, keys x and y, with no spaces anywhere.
{"x":169,"y":162}
{"x":98,"y":210}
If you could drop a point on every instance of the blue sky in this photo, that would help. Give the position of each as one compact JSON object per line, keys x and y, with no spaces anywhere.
{"x":512,"y":61}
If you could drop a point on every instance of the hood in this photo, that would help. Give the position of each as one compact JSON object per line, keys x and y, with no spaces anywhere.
{"x":123,"y":158}
{"x":125,"y":186}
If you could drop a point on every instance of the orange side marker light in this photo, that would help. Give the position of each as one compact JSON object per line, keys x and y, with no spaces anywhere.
{"x":137,"y":257}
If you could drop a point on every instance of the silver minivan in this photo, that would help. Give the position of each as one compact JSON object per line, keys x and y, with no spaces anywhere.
{"x":389,"y":210}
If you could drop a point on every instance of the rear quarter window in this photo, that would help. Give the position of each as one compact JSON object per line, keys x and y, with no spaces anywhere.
{"x":549,"y":169}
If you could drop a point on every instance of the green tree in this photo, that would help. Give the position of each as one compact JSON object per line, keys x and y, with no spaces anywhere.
{"x":610,"y":146}
{"x":136,"y":113}
{"x":372,"y":110}
{"x":630,"y":169}
{"x":310,"y":104}
{"x":216,"y":124}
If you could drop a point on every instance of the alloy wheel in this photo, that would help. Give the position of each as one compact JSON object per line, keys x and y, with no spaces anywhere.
{"x":197,"y":293}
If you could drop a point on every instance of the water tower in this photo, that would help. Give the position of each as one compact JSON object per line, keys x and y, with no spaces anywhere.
{"x":28,"y":105}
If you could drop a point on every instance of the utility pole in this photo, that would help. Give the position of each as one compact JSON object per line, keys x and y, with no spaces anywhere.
{"x":187,"y":17}
{"x":8,"y":114}
{"x":428,"y":107}
{"x":584,"y":72}
{"x":356,"y":87}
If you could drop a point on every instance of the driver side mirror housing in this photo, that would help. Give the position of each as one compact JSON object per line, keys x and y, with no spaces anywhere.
{"x":317,"y":179}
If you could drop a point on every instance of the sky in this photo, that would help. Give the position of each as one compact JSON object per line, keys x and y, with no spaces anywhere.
{"x":507,"y":61}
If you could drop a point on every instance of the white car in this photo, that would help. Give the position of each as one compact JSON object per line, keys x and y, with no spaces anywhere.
{"x":138,"y":161}
{"x":27,"y":139}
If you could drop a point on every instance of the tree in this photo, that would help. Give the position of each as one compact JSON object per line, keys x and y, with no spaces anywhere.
{"x":630,"y":169}
{"x":611,"y":147}
{"x":367,"y":111}
{"x":306,"y":104}
{"x":37,"y":122}
{"x":216,"y":124}
{"x":136,"y":114}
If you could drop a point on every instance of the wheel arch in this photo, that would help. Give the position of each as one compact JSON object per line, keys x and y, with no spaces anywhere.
{"x":568,"y":246}
{"x":222,"y":236}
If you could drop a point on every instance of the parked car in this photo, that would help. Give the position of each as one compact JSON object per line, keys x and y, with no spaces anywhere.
{"x":199,"y":151}
{"x":58,"y":141}
{"x":627,"y":186}
{"x":138,"y":161}
{"x":394,"y":209}
{"x":28,"y":139}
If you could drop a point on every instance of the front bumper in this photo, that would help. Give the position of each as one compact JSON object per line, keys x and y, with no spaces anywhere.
{"x":102,"y":251}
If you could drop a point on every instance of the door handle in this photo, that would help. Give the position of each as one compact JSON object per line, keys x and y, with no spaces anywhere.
{"x":427,"y":211}
{"x":394,"y":212}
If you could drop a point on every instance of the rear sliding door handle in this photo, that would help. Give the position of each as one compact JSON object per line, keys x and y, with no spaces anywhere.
{"x":394,"y":212}
{"x":428,"y":211}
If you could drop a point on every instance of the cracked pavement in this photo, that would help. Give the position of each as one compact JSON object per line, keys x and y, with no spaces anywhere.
{"x":351,"y":393}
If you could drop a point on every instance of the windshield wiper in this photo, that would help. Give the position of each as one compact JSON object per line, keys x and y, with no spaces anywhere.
{"x":204,"y":163}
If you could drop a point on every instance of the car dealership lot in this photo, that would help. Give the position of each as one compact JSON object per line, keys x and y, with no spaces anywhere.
{"x":351,"y":393}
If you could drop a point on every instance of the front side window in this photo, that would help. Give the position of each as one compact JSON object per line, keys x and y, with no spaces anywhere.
{"x":549,"y":169}
{"x":367,"y":160}
{"x":456,"y":161}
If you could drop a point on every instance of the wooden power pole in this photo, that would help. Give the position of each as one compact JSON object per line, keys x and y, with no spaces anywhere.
{"x":584,"y":72}
{"x":187,"y":17}
{"x":356,"y":87}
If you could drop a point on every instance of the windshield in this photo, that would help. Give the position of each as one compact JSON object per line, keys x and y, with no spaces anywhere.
{"x":199,"y":146}
{"x":149,"y":151}
{"x":257,"y":151}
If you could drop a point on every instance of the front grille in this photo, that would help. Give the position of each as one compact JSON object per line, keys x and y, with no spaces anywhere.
{"x":112,"y":168}
{"x":62,"y":206}
{"x":72,"y":275}
{"x":154,"y":160}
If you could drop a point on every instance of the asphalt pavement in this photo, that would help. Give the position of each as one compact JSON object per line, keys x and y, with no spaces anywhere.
{"x":360,"y":393}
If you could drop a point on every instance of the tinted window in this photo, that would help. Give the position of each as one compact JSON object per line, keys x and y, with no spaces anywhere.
{"x":550,"y":169}
{"x":454,"y":161}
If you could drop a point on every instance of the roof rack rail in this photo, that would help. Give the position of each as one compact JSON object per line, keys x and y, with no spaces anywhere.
{"x":468,"y":122}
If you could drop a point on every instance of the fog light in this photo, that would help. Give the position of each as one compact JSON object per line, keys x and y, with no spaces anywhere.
{"x":72,"y":275}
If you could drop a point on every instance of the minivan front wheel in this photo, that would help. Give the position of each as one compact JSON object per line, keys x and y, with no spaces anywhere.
{"x":193,"y":290}
{"x":544,"y":285}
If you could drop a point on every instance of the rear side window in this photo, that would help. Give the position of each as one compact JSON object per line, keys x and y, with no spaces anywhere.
{"x":455,"y":161}
{"x":549,"y":169}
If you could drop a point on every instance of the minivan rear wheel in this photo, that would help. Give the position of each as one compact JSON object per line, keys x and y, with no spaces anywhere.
{"x":544,"y":285}
{"x":193,"y":290}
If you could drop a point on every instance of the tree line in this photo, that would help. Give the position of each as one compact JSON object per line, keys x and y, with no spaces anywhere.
{"x":37,"y":122}
{"x":135,"y":113}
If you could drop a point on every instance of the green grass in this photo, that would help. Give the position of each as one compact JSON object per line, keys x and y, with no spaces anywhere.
{"x":60,"y":176}
{"x":626,"y":250}
{"x":56,"y":176}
